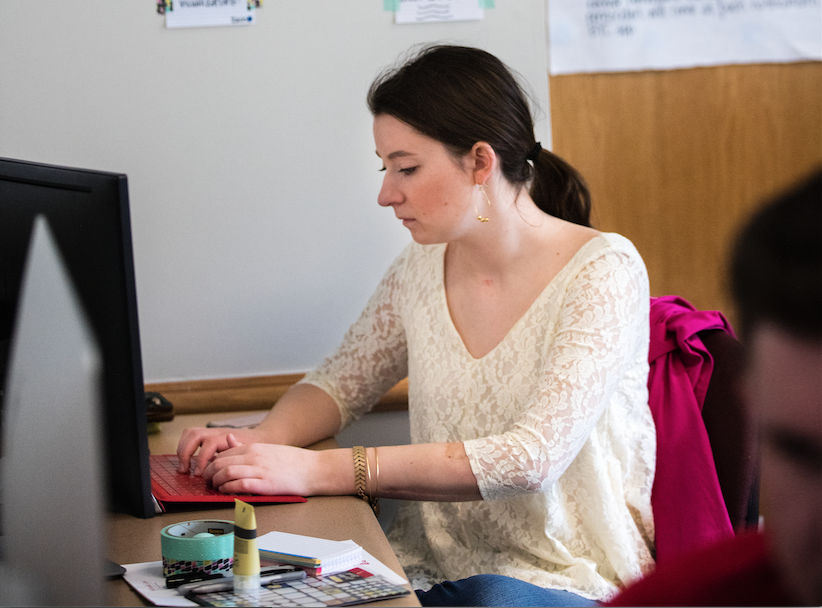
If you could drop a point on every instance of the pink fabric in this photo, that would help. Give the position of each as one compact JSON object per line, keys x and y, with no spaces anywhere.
{"x":689,"y":511}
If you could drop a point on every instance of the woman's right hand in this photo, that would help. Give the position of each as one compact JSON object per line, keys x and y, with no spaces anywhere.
{"x":304,"y":415}
{"x":210,"y":441}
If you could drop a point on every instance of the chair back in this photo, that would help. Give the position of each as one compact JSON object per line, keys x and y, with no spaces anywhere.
{"x":693,"y":505}
{"x":731,"y":430}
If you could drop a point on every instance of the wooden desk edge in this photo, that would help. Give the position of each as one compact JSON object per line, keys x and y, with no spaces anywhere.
{"x":227,"y":395}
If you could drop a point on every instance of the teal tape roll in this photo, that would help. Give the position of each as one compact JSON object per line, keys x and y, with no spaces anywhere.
{"x":200,"y":546}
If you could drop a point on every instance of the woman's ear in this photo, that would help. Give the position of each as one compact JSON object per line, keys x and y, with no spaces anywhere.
{"x":484,"y":161}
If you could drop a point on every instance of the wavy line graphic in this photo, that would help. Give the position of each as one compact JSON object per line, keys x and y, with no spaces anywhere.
{"x":424,"y":14}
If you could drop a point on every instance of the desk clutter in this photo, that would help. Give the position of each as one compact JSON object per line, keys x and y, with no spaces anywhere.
{"x":295,"y":570}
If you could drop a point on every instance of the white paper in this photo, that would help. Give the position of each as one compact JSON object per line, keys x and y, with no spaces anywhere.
{"x":626,"y":35}
{"x":206,"y":13}
{"x":238,"y":422}
{"x":374,"y":566}
{"x":147,"y":579}
{"x":426,"y":11}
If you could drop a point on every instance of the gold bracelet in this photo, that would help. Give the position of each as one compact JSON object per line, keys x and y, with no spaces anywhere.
{"x":374,"y":499}
{"x":377,"y":476}
{"x":361,"y":472}
{"x":368,"y":474}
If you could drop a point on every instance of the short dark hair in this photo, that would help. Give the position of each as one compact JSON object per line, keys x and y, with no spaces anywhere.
{"x":776,"y":267}
{"x":461,"y":95}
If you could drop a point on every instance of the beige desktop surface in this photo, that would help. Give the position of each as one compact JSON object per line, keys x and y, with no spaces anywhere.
{"x":134,"y":540}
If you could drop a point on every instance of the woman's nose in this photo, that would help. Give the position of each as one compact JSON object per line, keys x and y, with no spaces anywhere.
{"x":388,"y":194}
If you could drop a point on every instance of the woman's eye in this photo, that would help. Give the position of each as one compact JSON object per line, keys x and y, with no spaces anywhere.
{"x":408,"y":170}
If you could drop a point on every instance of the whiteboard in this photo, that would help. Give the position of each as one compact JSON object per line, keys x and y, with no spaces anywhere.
{"x":249,"y":154}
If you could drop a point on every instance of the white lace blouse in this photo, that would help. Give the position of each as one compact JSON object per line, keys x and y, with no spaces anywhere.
{"x":554,"y":420}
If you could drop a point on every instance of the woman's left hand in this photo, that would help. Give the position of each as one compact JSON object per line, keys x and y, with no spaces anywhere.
{"x":262,"y":468}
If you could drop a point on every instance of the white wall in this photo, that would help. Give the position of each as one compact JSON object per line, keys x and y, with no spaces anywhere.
{"x":251,"y":165}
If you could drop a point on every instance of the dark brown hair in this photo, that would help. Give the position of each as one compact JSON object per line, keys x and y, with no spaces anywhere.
{"x":461,"y":95}
{"x":776,"y":266}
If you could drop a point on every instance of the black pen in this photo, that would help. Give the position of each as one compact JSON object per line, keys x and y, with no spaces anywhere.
{"x":227,"y":584}
{"x":177,"y":580}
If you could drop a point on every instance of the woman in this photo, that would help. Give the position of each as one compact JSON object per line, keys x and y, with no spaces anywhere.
{"x":524,"y":335}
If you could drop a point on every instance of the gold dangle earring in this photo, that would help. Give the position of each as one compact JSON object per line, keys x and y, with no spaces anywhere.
{"x":480,"y":218}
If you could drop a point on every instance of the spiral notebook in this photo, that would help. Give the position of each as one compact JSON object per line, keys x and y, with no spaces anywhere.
{"x":316,"y":555}
{"x":172,"y":488}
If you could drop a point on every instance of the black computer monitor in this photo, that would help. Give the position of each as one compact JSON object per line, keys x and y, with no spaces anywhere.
{"x":88,"y":212}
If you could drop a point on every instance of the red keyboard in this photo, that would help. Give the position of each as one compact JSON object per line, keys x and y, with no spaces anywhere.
{"x":168,"y":485}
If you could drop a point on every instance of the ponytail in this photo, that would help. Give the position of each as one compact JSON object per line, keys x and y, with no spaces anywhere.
{"x":559,"y":190}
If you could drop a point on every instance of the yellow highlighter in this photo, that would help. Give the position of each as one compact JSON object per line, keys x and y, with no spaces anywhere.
{"x":246,"y":555}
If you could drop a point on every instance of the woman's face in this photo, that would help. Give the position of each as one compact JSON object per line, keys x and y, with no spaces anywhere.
{"x":430,"y":192}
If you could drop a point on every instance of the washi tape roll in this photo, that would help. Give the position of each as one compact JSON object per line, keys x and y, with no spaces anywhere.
{"x":197,"y":547}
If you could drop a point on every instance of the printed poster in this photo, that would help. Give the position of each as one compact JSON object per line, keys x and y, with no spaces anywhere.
{"x":629,"y":35}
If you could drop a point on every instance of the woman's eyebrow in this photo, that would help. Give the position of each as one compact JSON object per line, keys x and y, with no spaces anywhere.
{"x":397,"y":154}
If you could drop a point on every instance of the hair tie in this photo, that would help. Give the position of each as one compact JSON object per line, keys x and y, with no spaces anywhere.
{"x":532,"y":155}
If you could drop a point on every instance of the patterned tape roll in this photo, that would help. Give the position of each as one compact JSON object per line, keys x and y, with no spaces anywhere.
{"x":201,"y":546}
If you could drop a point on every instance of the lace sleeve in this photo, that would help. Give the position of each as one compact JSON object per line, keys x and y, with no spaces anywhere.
{"x":599,"y":335}
{"x":373,"y":355}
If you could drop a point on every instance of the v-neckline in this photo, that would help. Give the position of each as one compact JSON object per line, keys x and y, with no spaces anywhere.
{"x":549,"y":286}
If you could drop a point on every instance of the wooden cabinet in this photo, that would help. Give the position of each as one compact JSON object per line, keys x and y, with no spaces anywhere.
{"x":676,"y":160}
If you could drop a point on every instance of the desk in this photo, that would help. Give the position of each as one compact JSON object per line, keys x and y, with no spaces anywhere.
{"x":134,"y":540}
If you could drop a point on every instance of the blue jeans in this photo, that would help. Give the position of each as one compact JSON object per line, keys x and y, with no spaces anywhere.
{"x":498,"y":590}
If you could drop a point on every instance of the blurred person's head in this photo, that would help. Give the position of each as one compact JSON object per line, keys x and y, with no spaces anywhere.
{"x":776,"y":280}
